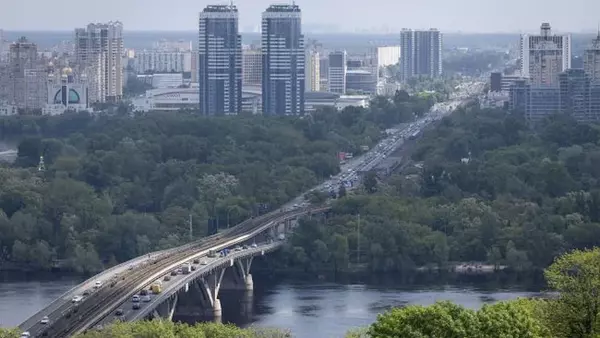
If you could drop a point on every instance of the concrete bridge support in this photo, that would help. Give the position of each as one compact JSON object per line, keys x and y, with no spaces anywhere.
{"x":208,"y":287}
{"x":167,"y":308}
{"x":239,"y":277}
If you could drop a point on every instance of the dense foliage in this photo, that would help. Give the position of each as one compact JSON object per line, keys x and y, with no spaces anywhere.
{"x":115,"y":187}
{"x":167,"y":329}
{"x":573,"y":314}
{"x":481,"y":187}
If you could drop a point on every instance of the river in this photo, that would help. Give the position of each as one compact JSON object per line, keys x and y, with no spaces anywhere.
{"x":302,"y":305}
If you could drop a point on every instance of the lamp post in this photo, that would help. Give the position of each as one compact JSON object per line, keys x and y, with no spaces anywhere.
{"x":229,"y":210}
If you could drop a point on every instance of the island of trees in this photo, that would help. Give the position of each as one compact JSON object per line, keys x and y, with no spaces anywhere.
{"x":481,"y":186}
{"x":114,"y":187}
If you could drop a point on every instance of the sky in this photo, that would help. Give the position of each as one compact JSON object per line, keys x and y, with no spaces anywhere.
{"x":381,"y":16}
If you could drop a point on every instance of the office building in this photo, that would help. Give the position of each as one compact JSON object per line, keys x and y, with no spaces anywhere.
{"x":156,"y":61}
{"x":421,"y":53}
{"x":495,"y":82}
{"x":591,"y":60}
{"x":283,"y":61}
{"x":98,"y":54}
{"x":361,"y":81}
{"x":337,"y":72}
{"x":251,"y":66}
{"x":574,"y":94}
{"x":312,"y":68}
{"x":387,"y":55}
{"x":544,"y":56}
{"x":220,"y":61}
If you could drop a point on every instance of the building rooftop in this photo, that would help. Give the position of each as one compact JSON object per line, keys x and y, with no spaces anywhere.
{"x":220,"y":8}
{"x":283,"y":8}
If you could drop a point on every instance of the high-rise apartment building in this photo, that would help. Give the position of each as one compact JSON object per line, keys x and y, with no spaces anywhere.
{"x":99,"y":54}
{"x":420,"y":53}
{"x":283,"y":83}
{"x":337,"y":72}
{"x":162,"y":61}
{"x":544,"y":56}
{"x":252,"y":66}
{"x":387,"y":55}
{"x":24,"y":78}
{"x":591,"y":60}
{"x":219,"y":61}
{"x":312,"y":70}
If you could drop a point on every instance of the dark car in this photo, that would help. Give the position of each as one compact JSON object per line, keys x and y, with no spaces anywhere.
{"x":119,"y":312}
{"x":143,"y":292}
{"x":196,"y":261}
{"x":136,"y":306}
{"x":174,"y":273}
{"x":167,"y":278}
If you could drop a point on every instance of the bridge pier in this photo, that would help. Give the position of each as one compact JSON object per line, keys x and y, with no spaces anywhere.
{"x":167,"y":308}
{"x":239,"y":278}
{"x":209,"y":287}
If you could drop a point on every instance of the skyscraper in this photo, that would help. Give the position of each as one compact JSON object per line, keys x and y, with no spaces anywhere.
{"x":591,"y":60}
{"x":337,"y":72}
{"x":283,"y":61}
{"x":98,"y":54}
{"x":219,"y":60}
{"x":312,"y":69}
{"x":420,"y":53}
{"x":25,"y":78}
{"x":251,"y":66}
{"x":544,"y":56}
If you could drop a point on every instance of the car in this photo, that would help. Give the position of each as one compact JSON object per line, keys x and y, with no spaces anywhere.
{"x":25,"y":334}
{"x":237,"y":248}
{"x":135,"y":299}
{"x":167,"y":278}
{"x":174,"y":273}
{"x":143,"y":292}
{"x":119,"y":312}
{"x":98,"y":284}
{"x":204,"y":262}
{"x":76,"y":299}
{"x":244,"y":247}
{"x":196,"y":261}
{"x":87,"y":292}
{"x":146,"y":298}
{"x":179,"y":271}
{"x":193,"y":268}
{"x":45,"y":320}
{"x":254,"y":245}
{"x":136,"y":306}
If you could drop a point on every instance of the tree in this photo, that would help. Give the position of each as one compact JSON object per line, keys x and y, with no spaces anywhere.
{"x":342,"y":191}
{"x":370,"y":182}
{"x":441,"y":320}
{"x":576,"y":278}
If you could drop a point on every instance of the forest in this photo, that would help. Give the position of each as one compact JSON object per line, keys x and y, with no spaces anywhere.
{"x":480,"y":187}
{"x":117,"y":186}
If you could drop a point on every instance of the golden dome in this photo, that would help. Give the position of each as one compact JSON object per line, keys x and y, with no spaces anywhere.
{"x":67,"y":71}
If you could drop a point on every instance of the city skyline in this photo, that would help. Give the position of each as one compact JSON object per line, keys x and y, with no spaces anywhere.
{"x":468,"y":16}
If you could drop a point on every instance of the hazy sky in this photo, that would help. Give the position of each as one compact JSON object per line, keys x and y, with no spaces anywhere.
{"x":342,"y":15}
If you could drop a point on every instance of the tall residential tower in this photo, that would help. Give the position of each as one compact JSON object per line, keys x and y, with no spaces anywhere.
{"x":98,"y":54}
{"x":591,"y":60}
{"x":337,"y":72}
{"x":421,"y":53}
{"x":544,"y":56}
{"x":283,"y":61}
{"x":219,"y":61}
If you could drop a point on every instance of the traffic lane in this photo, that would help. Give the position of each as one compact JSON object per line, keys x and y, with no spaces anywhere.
{"x":130,"y":313}
{"x":33,"y":323}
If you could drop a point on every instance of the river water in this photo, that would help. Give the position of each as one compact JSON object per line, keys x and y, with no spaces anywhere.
{"x":303,"y":305}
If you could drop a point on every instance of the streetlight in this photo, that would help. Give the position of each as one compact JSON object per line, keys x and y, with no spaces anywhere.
{"x":229,"y":210}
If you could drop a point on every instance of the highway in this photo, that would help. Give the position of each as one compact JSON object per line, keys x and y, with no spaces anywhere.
{"x":178,"y":282}
{"x":67,"y":318}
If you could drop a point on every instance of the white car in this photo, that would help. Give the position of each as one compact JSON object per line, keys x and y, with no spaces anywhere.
{"x":98,"y":284}
{"x":204,"y":262}
{"x":25,"y":334}
{"x":45,"y":320}
{"x":77,"y":299}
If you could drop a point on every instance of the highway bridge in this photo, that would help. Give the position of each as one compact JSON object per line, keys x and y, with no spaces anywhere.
{"x":253,"y":237}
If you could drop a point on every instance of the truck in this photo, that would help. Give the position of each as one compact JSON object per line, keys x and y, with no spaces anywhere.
{"x":156,"y":287}
{"x":186,"y":268}
{"x":212,"y":254}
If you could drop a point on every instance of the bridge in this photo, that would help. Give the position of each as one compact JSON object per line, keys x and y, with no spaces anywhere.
{"x":254,"y":237}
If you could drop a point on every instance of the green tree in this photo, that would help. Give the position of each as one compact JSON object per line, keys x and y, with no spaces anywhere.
{"x":576,"y":277}
{"x":370,"y":182}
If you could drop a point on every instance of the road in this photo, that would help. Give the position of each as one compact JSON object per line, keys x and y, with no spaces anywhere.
{"x":176,"y":283}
